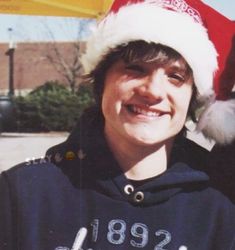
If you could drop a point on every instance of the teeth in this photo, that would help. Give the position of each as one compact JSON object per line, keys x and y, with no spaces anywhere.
{"x":141,"y":111}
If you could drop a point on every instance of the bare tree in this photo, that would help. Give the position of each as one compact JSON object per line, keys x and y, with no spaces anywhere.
{"x":69,"y":69}
{"x":66,"y":61}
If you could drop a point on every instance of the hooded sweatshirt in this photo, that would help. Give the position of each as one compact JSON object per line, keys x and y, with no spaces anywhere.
{"x":78,"y":198}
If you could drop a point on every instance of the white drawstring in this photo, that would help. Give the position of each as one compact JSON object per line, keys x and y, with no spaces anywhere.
{"x":80,"y":237}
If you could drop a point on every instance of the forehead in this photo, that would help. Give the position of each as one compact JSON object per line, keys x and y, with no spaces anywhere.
{"x":177,"y":65}
{"x":143,"y":52}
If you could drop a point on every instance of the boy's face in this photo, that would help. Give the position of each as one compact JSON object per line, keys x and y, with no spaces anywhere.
{"x":145,"y":103}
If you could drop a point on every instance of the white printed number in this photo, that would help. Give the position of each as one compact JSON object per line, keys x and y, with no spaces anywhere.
{"x":140,"y":231}
{"x":117,"y":233}
{"x":165,"y":241}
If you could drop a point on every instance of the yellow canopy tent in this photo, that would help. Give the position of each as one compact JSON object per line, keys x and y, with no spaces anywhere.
{"x":73,"y":8}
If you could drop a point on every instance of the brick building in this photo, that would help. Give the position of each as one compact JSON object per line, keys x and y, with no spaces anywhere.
{"x":31,"y":65}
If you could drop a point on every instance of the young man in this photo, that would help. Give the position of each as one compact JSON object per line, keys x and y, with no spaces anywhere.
{"x":126,"y":178}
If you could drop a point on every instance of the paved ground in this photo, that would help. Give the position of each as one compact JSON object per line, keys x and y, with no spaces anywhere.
{"x":16,"y":148}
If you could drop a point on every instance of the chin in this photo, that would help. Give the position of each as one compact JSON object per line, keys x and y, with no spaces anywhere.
{"x":145,"y":140}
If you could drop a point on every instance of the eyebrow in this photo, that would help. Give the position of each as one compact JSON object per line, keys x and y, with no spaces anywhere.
{"x":175,"y":65}
{"x":181,"y":68}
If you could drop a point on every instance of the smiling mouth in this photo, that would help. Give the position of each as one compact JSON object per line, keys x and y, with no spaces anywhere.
{"x":145,"y":111}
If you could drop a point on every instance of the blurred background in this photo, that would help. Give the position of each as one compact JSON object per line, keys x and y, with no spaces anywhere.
{"x":42,"y":92}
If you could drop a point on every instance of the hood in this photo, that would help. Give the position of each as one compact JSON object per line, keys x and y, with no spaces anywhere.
{"x":85,"y":158}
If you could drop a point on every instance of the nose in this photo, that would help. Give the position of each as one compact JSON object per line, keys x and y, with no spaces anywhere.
{"x":152,"y":87}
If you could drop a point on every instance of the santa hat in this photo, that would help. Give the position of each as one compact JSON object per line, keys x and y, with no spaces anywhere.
{"x":204,"y":37}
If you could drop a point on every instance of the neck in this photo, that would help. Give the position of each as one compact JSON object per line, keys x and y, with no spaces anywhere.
{"x":138,"y":161}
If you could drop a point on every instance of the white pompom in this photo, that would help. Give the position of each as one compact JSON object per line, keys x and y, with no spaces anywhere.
{"x":218,"y":121}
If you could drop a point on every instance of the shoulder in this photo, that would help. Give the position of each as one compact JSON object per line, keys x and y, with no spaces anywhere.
{"x":223,"y":156}
{"x":221,"y":165}
{"x":30,"y":187}
{"x":31,"y":172}
{"x":218,"y":164}
{"x":191,"y":153}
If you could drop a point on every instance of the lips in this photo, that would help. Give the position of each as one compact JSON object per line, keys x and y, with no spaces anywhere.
{"x":145,"y":110}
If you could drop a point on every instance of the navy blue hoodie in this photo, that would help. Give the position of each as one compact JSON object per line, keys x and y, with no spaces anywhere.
{"x":44,"y":204}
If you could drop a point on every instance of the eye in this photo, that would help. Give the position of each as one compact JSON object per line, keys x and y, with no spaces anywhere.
{"x":176,"y":79}
{"x":135,"y":69}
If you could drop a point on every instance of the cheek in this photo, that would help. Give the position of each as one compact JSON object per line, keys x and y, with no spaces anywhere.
{"x":183,"y":100}
{"x":115,"y":95}
{"x":111,"y":100}
{"x":107,"y":102}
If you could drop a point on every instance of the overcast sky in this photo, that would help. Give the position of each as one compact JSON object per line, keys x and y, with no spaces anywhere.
{"x":29,"y":28}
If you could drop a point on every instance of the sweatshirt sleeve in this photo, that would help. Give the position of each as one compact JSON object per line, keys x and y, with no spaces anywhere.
{"x":7,"y":223}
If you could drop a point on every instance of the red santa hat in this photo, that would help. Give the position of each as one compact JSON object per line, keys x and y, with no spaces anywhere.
{"x":204,"y":37}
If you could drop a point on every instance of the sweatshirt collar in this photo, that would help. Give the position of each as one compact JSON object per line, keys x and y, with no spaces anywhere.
{"x":101,"y":171}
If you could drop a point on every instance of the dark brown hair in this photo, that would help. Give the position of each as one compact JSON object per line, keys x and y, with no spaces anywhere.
{"x":137,"y":52}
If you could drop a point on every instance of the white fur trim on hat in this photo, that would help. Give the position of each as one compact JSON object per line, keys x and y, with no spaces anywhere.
{"x":151,"y":23}
{"x":217,"y":122}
